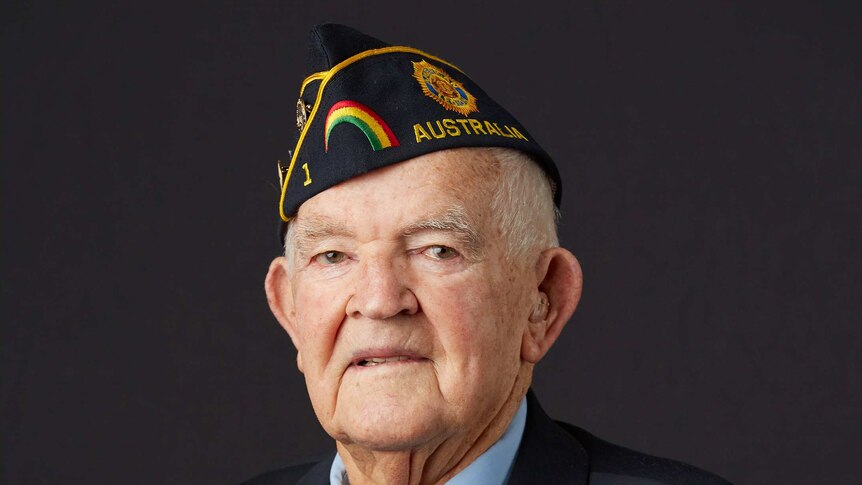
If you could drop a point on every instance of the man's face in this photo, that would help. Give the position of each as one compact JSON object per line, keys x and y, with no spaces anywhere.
{"x":406,"y":315}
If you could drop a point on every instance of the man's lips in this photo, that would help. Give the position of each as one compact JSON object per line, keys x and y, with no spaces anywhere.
{"x":371,"y":359}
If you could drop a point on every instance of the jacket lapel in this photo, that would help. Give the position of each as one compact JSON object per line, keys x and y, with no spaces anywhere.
{"x":548,"y":454}
{"x":319,"y":473}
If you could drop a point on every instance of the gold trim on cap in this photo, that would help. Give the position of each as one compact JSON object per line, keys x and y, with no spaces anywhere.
{"x":317,"y":76}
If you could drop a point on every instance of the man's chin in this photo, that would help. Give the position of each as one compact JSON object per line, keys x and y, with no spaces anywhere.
{"x":388,"y":390}
{"x":389,"y":440}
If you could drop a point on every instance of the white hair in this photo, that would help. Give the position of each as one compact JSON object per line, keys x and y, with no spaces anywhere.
{"x":522,"y":199}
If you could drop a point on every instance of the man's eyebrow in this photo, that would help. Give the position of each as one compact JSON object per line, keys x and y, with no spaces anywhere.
{"x":455,"y":221}
{"x":312,"y":230}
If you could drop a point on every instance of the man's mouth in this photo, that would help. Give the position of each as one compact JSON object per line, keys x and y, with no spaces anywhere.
{"x":372,"y":361}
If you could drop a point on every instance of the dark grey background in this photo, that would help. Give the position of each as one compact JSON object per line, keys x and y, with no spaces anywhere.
{"x":711,"y":153}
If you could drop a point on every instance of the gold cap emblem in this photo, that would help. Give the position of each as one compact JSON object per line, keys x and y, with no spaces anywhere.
{"x":439,"y":86}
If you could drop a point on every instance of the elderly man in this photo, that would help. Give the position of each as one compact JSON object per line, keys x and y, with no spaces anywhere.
{"x":422,"y":280}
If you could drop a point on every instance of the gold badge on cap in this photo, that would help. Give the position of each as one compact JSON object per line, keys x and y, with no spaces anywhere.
{"x":282,"y":170}
{"x":302,"y":111}
{"x":439,"y":86}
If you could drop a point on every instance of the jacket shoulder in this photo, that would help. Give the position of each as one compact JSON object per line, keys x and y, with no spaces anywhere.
{"x":614,"y":464}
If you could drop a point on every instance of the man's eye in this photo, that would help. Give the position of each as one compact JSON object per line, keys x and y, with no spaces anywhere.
{"x":330,"y":257}
{"x":441,"y":252}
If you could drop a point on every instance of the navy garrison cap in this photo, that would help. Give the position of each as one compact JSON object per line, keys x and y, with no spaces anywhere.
{"x":366,"y":104}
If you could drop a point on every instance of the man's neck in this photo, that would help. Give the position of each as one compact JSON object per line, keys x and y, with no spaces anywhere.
{"x":432,"y":464}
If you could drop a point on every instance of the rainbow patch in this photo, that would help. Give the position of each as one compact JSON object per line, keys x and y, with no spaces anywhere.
{"x":378,"y":132}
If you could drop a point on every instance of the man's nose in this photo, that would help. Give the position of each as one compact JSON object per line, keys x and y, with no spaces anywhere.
{"x":381,"y":291}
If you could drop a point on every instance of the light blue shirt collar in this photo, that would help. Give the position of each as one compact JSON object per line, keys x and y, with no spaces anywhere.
{"x":492,"y":467}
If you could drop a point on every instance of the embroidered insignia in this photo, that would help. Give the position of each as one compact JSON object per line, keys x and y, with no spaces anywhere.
{"x":440,"y":87}
{"x":379,"y":134}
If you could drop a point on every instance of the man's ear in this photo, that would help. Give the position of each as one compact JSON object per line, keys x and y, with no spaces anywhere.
{"x":280,"y":299}
{"x":560,"y":282}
